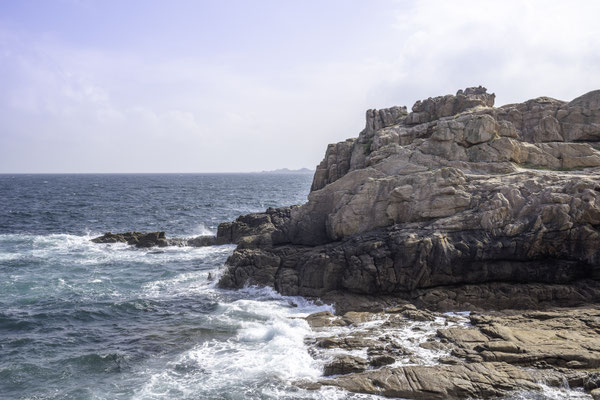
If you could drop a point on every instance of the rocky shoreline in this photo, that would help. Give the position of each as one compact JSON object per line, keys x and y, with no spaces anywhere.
{"x":459,"y":243}
{"x":413,"y":353}
{"x":455,"y":206}
{"x":455,"y":193}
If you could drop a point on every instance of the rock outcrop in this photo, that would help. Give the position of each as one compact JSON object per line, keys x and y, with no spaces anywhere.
{"x":154,"y":239}
{"x":439,"y":356}
{"x":456,"y":192}
{"x":457,"y":205}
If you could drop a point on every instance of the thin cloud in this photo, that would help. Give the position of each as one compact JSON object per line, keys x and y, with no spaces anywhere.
{"x":79,"y":106}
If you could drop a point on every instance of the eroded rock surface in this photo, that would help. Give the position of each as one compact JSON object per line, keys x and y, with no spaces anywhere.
{"x":564,"y":338}
{"x":455,"y":193}
{"x":483,"y":380}
{"x":418,"y":354}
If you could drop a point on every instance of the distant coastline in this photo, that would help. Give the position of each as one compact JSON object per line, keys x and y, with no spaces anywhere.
{"x":284,"y":171}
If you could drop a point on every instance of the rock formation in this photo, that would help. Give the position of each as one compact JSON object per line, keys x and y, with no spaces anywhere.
{"x":152,"y":239}
{"x":455,"y":194}
{"x":479,"y":356}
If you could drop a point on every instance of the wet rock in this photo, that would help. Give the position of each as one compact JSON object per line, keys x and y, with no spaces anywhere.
{"x":433,"y":345}
{"x":554,"y":346}
{"x":483,"y":380}
{"x":592,"y":381}
{"x":354,"y":317}
{"x":353,"y":342}
{"x":345,"y":365}
{"x":381,"y":361}
{"x":418,"y":315}
{"x":512,"y":350}
{"x":409,"y":311}
{"x":152,"y":239}
{"x":138,"y":239}
{"x":202,"y":241}
{"x":400,"y":309}
{"x":563,"y":338}
{"x":323,"y":319}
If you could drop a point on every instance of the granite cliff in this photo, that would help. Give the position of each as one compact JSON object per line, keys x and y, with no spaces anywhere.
{"x":455,"y":204}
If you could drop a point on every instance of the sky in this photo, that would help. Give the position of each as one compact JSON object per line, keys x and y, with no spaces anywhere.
{"x":133,"y":86}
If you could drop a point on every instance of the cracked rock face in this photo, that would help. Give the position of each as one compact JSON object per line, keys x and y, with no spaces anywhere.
{"x":457,"y":192}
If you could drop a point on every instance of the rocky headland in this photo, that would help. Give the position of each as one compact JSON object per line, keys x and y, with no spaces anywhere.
{"x":455,"y":206}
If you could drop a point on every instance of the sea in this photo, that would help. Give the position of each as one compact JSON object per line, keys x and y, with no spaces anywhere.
{"x":80,"y":320}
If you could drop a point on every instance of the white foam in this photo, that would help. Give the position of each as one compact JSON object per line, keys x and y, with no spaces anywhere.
{"x":5,"y":257}
{"x":202,"y":230}
{"x":409,"y":335}
{"x":81,"y":251}
{"x":185,"y":284}
{"x":552,"y":393}
{"x":268,"y":346}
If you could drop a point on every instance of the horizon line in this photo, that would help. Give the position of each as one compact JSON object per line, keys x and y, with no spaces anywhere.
{"x":154,"y":173}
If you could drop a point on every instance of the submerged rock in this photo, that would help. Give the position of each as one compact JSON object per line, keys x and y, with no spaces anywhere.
{"x":138,"y":239}
{"x":152,"y":239}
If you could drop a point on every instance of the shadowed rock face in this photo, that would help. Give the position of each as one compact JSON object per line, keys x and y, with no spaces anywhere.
{"x":137,"y":239}
{"x":456,"y":192}
{"x":152,"y":239}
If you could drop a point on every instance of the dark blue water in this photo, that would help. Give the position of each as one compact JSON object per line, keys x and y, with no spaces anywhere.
{"x":185,"y":204}
{"x":80,"y":320}
{"x":87,"y":321}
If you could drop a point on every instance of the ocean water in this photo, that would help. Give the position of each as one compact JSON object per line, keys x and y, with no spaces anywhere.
{"x":80,"y":320}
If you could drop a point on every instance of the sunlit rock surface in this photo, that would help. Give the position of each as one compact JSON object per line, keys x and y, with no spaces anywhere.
{"x":456,"y":192}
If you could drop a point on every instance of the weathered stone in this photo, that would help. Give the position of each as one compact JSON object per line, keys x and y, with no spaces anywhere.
{"x":555,"y":346}
{"x":381,"y":361}
{"x":258,"y":229}
{"x":345,"y":365}
{"x":562,"y":338}
{"x":322,"y":319}
{"x":463,"y":381}
{"x":592,"y":381}
{"x":455,"y":193}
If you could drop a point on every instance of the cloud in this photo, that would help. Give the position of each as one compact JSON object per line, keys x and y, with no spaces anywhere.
{"x":84,"y":107}
{"x":520,"y":49}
